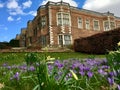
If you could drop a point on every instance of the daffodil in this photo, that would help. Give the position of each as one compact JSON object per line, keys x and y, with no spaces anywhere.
{"x":118,"y":43}
{"x":49,"y":58}
{"x":1,"y":85}
{"x":74,"y":75}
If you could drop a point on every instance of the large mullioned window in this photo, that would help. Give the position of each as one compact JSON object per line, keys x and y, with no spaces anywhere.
{"x":108,"y":25}
{"x":64,"y":39}
{"x":63,"y":19}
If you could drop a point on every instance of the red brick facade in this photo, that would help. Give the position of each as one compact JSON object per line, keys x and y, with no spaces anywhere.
{"x":58,"y":24}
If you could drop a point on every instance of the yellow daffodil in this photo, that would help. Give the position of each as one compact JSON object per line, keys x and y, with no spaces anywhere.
{"x":74,"y":75}
{"x":118,"y":43}
{"x":49,"y":58}
{"x":1,"y":85}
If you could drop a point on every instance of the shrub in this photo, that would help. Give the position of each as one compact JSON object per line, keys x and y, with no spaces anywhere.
{"x":14,"y":43}
{"x":4,"y":45}
{"x":31,"y":58}
{"x":99,"y":43}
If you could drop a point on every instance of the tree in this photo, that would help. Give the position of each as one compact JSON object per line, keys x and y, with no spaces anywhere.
{"x":14,"y":43}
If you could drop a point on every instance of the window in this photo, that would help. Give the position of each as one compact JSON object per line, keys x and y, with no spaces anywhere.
{"x":112,"y":25}
{"x":30,"y":40}
{"x":59,"y":19}
{"x":87,"y":24}
{"x":106,"y":26}
{"x":61,"y":40}
{"x":66,"y":19}
{"x":80,"y":25}
{"x":67,"y":39}
{"x":63,"y":19}
{"x":43,"y":40}
{"x":96,"y":25}
{"x":64,"y":39}
{"x":43,"y":21}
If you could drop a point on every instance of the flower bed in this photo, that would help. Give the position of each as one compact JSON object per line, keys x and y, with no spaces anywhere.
{"x":87,"y":74}
{"x":46,"y":73}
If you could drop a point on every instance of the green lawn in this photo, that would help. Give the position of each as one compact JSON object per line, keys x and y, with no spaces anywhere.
{"x":14,"y":58}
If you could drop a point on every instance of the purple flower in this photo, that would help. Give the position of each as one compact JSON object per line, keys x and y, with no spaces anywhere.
{"x":115,"y":73}
{"x":86,"y":68}
{"x":50,"y":67}
{"x":32,"y":68}
{"x":76,"y":64}
{"x":58,"y":64}
{"x":23,"y":67}
{"x":16,"y":76}
{"x":81,"y":67}
{"x":82,"y":73}
{"x":111,"y":74}
{"x":5,"y":64}
{"x":111,"y":81}
{"x":8,"y":67}
{"x":90,"y":74}
{"x":118,"y":87}
{"x":105,"y":67}
{"x":102,"y":72}
{"x":91,"y":62}
{"x":69,"y":75}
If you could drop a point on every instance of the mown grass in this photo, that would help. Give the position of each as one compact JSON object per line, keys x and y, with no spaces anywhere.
{"x":16,"y":58}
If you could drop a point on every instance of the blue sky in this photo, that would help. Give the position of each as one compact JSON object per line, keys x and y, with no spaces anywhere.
{"x":14,"y":14}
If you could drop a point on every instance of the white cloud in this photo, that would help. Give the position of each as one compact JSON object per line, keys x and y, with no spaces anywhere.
{"x":27,"y":4}
{"x":10,"y":18}
{"x":33,"y":13}
{"x":16,"y":11}
{"x":1,"y":5}
{"x":103,"y":6}
{"x":71,"y":2}
{"x":3,"y":27}
{"x":14,"y":8}
{"x":19,"y":18}
{"x":12,"y":4}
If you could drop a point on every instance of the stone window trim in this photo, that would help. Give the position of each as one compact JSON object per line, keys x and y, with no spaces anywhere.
{"x":87,"y":24}
{"x":112,"y":24}
{"x":63,"y":18}
{"x":43,"y":21}
{"x":80,"y":22}
{"x":94,"y":25}
{"x":64,"y":40}
{"x":109,"y":27}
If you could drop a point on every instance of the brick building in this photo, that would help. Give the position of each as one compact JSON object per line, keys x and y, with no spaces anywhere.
{"x":58,"y":24}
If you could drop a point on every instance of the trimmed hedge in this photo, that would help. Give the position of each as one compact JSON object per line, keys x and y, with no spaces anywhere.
{"x":99,"y":43}
{"x":4,"y":45}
